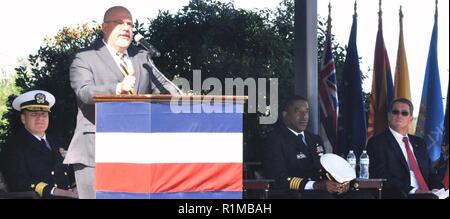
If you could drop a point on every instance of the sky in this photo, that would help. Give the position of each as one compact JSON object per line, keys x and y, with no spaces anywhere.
{"x":28,"y":22}
{"x":418,"y":23}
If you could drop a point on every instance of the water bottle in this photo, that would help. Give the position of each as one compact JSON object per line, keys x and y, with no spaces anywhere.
{"x":364,"y":165}
{"x":351,"y":159}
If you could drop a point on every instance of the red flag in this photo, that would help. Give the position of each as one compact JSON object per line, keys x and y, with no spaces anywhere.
{"x":382,"y":86}
{"x":445,"y":180}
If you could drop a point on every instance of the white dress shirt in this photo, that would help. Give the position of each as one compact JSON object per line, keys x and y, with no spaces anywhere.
{"x":399,"y":138}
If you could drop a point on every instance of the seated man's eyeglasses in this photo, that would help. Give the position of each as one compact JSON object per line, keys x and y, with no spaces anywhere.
{"x":396,"y":112}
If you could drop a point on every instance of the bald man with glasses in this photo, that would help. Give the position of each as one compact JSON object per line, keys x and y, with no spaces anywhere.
{"x":401,"y":158}
{"x":112,"y":65}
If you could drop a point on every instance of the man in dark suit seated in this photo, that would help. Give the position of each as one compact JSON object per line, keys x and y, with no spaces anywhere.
{"x":33,"y":160}
{"x":400,"y":158}
{"x":291,"y":156}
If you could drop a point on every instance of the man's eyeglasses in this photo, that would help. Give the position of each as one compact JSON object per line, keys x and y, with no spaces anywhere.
{"x":396,"y":112}
{"x":121,"y":22}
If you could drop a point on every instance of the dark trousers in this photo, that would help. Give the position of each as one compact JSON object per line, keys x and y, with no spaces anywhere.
{"x":311,"y":194}
{"x":422,"y":196}
{"x":398,"y":194}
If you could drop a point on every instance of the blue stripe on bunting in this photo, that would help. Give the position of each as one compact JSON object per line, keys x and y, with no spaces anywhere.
{"x":158,"y":117}
{"x":170,"y":195}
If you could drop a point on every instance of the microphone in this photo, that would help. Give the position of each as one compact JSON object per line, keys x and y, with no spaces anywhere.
{"x":151,"y":50}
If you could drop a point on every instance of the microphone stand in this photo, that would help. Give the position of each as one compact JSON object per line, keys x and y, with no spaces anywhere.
{"x":149,"y":59}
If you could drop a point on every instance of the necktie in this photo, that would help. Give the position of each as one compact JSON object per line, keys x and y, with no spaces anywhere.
{"x":44,"y":143}
{"x":414,"y":166}
{"x":302,"y":139}
{"x":124,"y":66}
{"x":306,"y":149}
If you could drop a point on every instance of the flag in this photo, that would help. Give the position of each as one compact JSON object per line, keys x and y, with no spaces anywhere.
{"x":328,"y":97}
{"x":382,"y":87}
{"x":445,"y":133}
{"x":401,"y":87}
{"x":431,"y":113}
{"x":445,"y":145}
{"x":353,"y":131}
{"x":144,"y":150}
{"x":445,"y":180}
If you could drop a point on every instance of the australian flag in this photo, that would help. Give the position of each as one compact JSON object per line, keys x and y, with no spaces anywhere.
{"x":328,"y":97}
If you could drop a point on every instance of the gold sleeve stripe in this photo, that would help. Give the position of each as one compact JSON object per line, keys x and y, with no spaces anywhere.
{"x":295,"y":182}
{"x":292,"y":182}
{"x":40,"y":188}
{"x":299,"y":182}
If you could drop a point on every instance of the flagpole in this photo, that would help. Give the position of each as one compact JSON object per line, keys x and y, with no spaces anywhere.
{"x":400,"y":15}
{"x":329,"y":20}
{"x":380,"y":13}
{"x":436,"y":9}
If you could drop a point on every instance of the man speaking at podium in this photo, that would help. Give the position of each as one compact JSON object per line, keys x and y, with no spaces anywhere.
{"x":110,"y":66}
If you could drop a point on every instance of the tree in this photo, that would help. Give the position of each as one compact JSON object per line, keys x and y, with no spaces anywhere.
{"x":7,"y":88}
{"x":219,"y":40}
{"x":49,"y":70}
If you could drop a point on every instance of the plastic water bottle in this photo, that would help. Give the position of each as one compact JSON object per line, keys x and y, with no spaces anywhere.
{"x":351,"y":159}
{"x":364,"y":165}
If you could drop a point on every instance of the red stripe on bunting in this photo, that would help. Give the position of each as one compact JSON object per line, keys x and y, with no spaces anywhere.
{"x":173,"y":177}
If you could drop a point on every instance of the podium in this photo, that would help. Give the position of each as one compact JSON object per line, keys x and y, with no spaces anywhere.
{"x":168,"y":147}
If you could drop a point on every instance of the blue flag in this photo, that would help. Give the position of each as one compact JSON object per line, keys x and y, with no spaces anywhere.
{"x":353,"y":130}
{"x":431,"y":114}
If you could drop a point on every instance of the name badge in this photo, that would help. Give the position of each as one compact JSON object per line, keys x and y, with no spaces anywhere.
{"x":319,"y":149}
{"x":301,"y":156}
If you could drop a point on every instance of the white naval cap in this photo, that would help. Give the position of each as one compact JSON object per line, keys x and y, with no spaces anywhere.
{"x":35,"y":100}
{"x":337,"y":167}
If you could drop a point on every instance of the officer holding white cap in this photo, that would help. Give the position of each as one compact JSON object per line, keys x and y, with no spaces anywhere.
{"x":295,"y":158}
{"x":337,"y":169}
{"x":33,"y":160}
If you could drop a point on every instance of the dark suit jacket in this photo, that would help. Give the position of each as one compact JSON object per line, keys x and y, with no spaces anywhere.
{"x":281,"y":161}
{"x":26,"y":163}
{"x":387,"y":162}
{"x":94,"y":71}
